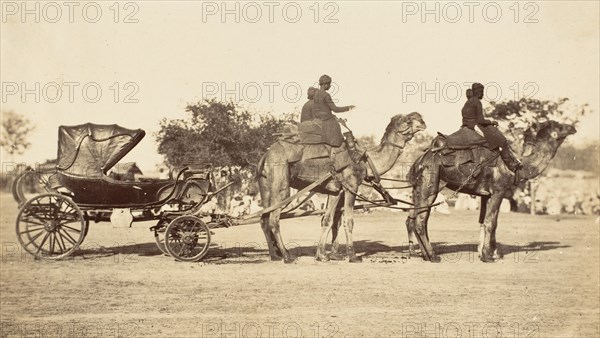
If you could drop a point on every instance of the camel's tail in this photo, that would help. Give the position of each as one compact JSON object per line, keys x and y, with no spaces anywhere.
{"x":261,"y":166}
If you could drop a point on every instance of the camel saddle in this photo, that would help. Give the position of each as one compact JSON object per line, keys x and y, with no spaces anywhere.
{"x":315,"y":159}
{"x":465,"y":150}
{"x":464,"y":138}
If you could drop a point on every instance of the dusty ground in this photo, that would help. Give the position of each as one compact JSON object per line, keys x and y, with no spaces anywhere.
{"x":120,"y":285}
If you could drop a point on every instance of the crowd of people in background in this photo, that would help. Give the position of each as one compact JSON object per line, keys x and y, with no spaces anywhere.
{"x":242,"y":198}
{"x":557,"y":202}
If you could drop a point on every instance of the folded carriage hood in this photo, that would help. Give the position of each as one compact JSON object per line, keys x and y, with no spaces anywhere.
{"x":93,"y":149}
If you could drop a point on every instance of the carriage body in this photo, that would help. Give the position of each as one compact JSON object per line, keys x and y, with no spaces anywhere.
{"x":79,"y":190}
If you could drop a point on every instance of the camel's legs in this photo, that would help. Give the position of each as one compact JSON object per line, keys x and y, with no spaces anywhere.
{"x":274,"y":228}
{"x":413,"y":243}
{"x":264,"y":224}
{"x":326,"y":224}
{"x":348,"y":222}
{"x":266,"y":193}
{"x":335,"y":230}
{"x":489,"y":226}
{"x":424,"y":194}
{"x":493,"y":244}
{"x":268,"y":190}
{"x":482,"y":212}
{"x":274,"y":185}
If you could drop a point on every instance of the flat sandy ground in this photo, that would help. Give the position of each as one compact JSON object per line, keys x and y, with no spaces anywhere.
{"x":120,"y":285}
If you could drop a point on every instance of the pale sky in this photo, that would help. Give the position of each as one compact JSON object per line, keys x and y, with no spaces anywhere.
{"x":382,"y":56}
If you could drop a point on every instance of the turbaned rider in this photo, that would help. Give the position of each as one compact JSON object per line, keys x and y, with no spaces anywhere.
{"x":472,"y":115}
{"x":323,"y":107}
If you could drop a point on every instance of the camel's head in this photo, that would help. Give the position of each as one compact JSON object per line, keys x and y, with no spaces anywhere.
{"x":406,"y":124}
{"x":548,"y":131}
{"x":403,"y":127}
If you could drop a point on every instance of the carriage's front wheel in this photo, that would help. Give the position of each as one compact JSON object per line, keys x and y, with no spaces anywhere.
{"x":187,"y":238}
{"x":159,"y":235}
{"x":50,"y":226}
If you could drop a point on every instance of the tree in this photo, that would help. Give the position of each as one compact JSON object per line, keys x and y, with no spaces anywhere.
{"x":367,"y":142}
{"x":514,"y":117}
{"x":220,"y":133}
{"x":15,"y":130}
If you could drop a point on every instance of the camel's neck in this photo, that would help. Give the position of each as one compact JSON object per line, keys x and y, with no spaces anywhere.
{"x":541,"y":155}
{"x":384,"y":157}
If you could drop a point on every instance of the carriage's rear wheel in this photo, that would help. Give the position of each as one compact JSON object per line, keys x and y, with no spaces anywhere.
{"x":50,"y":226}
{"x":187,"y":238}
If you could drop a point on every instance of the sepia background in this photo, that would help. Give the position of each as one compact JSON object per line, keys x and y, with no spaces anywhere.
{"x":135,"y":63}
{"x":384,"y":57}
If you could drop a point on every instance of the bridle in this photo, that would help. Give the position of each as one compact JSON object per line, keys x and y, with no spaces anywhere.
{"x":408,"y":130}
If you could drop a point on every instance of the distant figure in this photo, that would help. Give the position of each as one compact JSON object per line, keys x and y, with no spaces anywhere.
{"x":224,"y":198}
{"x":164,"y":173}
{"x":307,"y":109}
{"x":247,"y":203}
{"x":210,"y":207}
{"x":236,"y":206}
{"x":236,"y":178}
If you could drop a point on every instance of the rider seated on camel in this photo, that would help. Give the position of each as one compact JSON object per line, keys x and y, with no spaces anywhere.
{"x":323,"y":107}
{"x":331,"y":132}
{"x":472,"y":115}
{"x":307,"y":108}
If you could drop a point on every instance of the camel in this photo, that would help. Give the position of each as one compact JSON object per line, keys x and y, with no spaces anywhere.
{"x":429,"y":176}
{"x":274,"y":184}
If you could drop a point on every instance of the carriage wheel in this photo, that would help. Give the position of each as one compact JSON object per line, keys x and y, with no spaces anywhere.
{"x":50,"y":226}
{"x":187,"y":238}
{"x":159,"y":237}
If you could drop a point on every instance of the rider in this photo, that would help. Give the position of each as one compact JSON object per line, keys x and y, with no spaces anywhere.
{"x":472,"y":115}
{"x":307,"y":109}
{"x":323,"y":107}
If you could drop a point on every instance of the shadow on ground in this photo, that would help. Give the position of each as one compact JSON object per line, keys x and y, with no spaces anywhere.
{"x":252,"y":253}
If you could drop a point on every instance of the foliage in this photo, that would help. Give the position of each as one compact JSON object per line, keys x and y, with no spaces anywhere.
{"x":367,"y":142}
{"x":217,"y":132}
{"x":520,"y":114}
{"x":15,"y":130}
{"x":514,"y":117}
{"x":585,"y":157}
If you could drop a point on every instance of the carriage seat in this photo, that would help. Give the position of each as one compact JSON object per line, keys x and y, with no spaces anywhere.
{"x":464,"y":138}
{"x":106,"y":191}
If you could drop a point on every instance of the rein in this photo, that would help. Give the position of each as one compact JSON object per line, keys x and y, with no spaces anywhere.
{"x":377,"y":203}
{"x":374,"y":183}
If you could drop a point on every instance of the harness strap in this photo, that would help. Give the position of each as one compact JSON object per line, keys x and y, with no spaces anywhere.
{"x":393,"y":144}
{"x":376,"y":203}
{"x":289,"y":199}
{"x":376,"y":176}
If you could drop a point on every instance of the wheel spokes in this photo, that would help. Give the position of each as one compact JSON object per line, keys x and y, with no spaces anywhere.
{"x":34,"y":238}
{"x":60,"y":241}
{"x":69,"y":238}
{"x":29,"y":221}
{"x":42,"y":244}
{"x":31,"y":230}
{"x":51,"y":243}
{"x":56,"y":218}
{"x":72,"y":229}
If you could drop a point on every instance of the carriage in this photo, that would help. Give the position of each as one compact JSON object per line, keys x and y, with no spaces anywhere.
{"x":79,"y":190}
